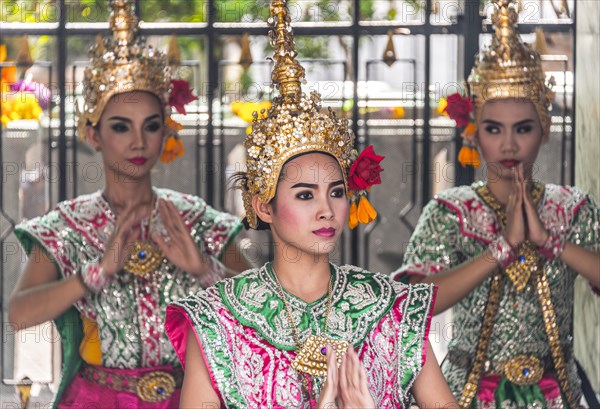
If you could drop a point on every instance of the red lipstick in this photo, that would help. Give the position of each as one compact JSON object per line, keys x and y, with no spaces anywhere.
{"x":138,"y":160}
{"x":509,"y":163}
{"x":325,"y":232}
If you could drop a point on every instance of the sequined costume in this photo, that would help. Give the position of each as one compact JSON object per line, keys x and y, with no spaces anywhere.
{"x":129,"y":314}
{"x":458,"y":225}
{"x":242,"y":329}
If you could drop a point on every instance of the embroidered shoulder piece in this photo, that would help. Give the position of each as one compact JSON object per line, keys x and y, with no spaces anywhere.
{"x":205,"y":313}
{"x":67,"y":245}
{"x":560,"y":206}
{"x":360,"y":298}
{"x":477,"y":220}
{"x":415,"y":307}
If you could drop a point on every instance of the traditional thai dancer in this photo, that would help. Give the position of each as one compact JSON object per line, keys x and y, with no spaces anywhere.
{"x":104,"y":266}
{"x":505,"y":252}
{"x":275,"y":336}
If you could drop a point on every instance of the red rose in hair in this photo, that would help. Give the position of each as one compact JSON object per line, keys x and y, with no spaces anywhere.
{"x":181,"y":94}
{"x":365,"y":171}
{"x":459,"y":108}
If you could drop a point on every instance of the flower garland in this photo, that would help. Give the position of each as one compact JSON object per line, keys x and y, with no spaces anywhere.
{"x":364,"y":173}
{"x":23,"y":99}
{"x":22,"y":105}
{"x":246,"y":110}
{"x":181,"y":94}
{"x":40,"y":91}
{"x":9,"y":74}
{"x":460,"y":109}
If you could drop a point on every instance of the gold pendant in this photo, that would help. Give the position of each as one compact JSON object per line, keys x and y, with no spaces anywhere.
{"x":311,"y":358}
{"x":520,"y":270}
{"x":144,"y":258}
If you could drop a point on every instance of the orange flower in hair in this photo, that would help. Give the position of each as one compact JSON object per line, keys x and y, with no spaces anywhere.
{"x":173,"y":149}
{"x":366,"y":213}
{"x":460,"y":109}
{"x":173,"y":126}
{"x":468,"y":156}
{"x":469,"y":132}
{"x":353,"y":216}
{"x":364,"y":173}
{"x":181,"y":94}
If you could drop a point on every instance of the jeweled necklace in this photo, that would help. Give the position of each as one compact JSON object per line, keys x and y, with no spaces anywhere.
{"x":310,"y":356}
{"x":145,"y":256}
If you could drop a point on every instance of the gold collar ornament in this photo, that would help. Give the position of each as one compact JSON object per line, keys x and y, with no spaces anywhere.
{"x":293,"y":125}
{"x":528,"y":262}
{"x":122,"y":63}
{"x":311,"y":355}
{"x":145,"y":256}
{"x":509,"y":68}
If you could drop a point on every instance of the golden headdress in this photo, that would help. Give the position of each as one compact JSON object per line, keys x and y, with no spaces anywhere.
{"x":293,"y":125}
{"x":509,"y":68}
{"x":122,"y":63}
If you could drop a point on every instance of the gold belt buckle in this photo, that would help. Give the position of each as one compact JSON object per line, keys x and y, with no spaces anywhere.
{"x":155,"y":386}
{"x":524,"y":370}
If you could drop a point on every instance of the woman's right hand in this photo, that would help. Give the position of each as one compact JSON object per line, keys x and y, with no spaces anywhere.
{"x":329,"y":392}
{"x":515,"y":221}
{"x":119,"y":246}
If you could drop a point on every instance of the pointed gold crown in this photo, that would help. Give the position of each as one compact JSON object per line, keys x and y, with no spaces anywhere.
{"x":294,"y":124}
{"x":122,"y":63}
{"x":509,"y":68}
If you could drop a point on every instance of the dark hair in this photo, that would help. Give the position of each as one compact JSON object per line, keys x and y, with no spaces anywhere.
{"x":239,"y":181}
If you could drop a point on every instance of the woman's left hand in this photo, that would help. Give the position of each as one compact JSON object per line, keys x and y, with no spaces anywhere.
{"x":353,"y":388}
{"x":180,"y":248}
{"x":536,"y":232}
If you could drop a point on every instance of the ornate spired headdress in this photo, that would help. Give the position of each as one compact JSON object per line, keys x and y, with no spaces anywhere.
{"x":122,"y":63}
{"x":293,"y":125}
{"x":509,"y":68}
